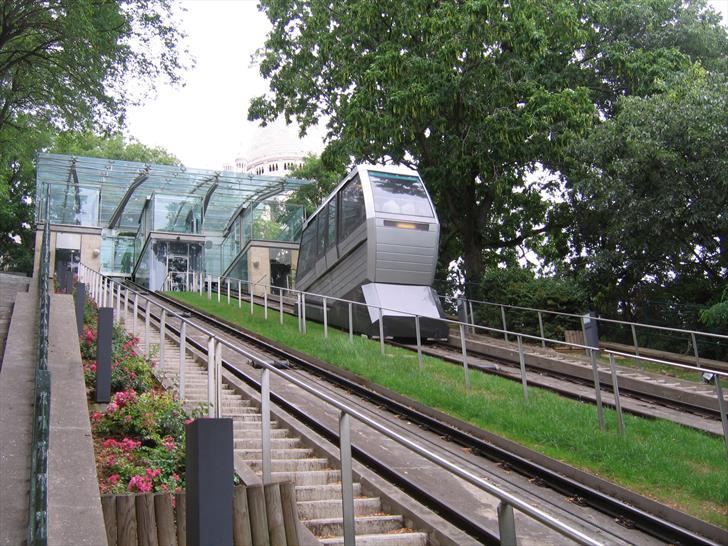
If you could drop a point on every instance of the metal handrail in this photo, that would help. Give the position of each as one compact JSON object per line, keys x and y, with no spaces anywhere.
{"x":602,"y":319}
{"x":508,"y":501}
{"x":37,"y":530}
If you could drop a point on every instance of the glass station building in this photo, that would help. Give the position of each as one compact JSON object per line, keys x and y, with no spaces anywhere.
{"x":154,"y":222}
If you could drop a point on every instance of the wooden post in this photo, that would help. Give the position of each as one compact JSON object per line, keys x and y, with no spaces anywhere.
{"x":146,"y":523}
{"x":126,"y":524}
{"x":274,"y":511}
{"x":108,"y":507}
{"x":290,"y":512}
{"x":165,"y":519}
{"x":241,"y":518}
{"x":180,"y":501}
{"x":258,"y":517}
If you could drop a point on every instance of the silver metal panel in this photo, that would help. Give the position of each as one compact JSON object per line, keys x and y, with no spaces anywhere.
{"x":400,"y":301}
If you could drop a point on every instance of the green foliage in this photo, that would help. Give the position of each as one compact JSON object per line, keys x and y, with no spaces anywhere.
{"x":111,"y":146}
{"x":649,"y":197}
{"x":479,"y":95}
{"x":66,"y":65}
{"x":521,"y":288}
{"x":717,"y":315}
{"x":326,"y":172}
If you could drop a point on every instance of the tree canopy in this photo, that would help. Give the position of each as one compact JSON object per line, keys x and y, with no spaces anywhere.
{"x":480,"y":95}
{"x":68,"y":65}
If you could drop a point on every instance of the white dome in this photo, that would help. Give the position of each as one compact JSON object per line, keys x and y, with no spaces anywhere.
{"x":276,"y":148}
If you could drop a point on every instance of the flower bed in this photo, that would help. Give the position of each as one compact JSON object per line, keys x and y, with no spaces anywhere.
{"x":139,"y":437}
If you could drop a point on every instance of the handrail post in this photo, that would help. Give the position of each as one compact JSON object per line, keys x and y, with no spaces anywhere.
{"x":218,"y":289}
{"x":472,"y":317}
{"x":303,"y":312}
{"x":326,"y":320}
{"x":209,"y":287}
{"x":347,"y":483}
{"x":135,"y":310}
{"x":617,"y":401}
{"x":634,"y":340}
{"x":381,"y":331}
{"x":147,"y":318}
{"x":228,"y":291}
{"x":506,"y":524}
{"x":240,"y":298}
{"x":265,"y":305}
{"x":597,"y":387}
{"x":522,"y":362}
{"x":162,"y":335}
{"x":250,"y":293}
{"x":695,"y":349}
{"x":218,"y":379}
{"x":464,"y":348}
{"x":265,"y":431}
{"x":540,"y":327}
{"x":505,"y":324}
{"x":419,"y":342}
{"x":351,"y":325}
{"x":210,"y":376}
{"x":298,"y":311}
{"x":126,"y":305}
{"x":280,"y":304}
{"x":182,"y":356}
{"x":722,"y":409}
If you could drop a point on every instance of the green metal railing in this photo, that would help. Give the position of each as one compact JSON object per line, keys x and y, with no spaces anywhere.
{"x":38,"y":496}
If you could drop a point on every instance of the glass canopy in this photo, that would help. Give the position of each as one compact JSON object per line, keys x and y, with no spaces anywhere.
{"x":96,"y":192}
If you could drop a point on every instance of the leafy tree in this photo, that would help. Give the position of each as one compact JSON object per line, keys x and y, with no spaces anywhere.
{"x":69,"y":61}
{"x":17,"y":181}
{"x":326,"y":174}
{"x":66,"y":65}
{"x":716,"y":316}
{"x":651,"y":196}
{"x":479,"y":95}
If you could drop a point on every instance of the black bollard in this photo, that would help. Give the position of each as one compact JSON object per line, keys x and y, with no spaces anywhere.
{"x":209,"y":446}
{"x":69,"y":280}
{"x":103,"y":354}
{"x":80,"y":303}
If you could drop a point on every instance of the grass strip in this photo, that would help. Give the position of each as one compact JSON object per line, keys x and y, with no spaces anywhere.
{"x":678,"y":466}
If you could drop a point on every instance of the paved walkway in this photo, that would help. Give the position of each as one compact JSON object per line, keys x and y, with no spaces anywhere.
{"x":17,"y":386}
{"x":9,"y":286}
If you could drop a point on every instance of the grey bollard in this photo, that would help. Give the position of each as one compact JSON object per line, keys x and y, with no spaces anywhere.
{"x":209,"y":518}
{"x":68,"y":280}
{"x":103,"y":354}
{"x":591,"y":330}
{"x":80,"y":303}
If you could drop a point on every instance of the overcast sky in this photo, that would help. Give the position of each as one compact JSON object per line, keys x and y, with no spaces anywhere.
{"x":205,"y":123}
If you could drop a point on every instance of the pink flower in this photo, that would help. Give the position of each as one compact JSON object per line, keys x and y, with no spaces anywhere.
{"x":95,"y":416}
{"x":169,"y":443}
{"x":133,"y":375}
{"x":188,"y":421}
{"x":128,"y":444}
{"x":112,"y":407}
{"x":92,"y":367}
{"x":153,"y":473}
{"x":111,"y":443}
{"x":175,"y":476}
{"x":114,"y":479}
{"x":140,"y":483}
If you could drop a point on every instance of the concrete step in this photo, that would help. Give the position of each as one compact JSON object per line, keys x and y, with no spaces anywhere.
{"x":247,"y":433}
{"x":276,"y":443}
{"x":323,"y":492}
{"x":290,"y":465}
{"x":277,"y":453}
{"x":365,"y":525}
{"x":397,"y":538}
{"x":331,"y":508}
{"x":313,"y":477}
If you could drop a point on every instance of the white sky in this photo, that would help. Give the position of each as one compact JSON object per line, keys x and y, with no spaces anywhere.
{"x":205,"y":123}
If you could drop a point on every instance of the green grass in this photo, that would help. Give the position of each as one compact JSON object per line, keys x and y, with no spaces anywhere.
{"x":662,"y":369}
{"x":681,"y":467}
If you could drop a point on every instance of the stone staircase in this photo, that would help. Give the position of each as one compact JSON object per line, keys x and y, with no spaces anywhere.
{"x":318,"y":482}
{"x":10,"y":285}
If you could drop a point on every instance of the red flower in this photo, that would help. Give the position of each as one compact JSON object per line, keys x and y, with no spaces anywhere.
{"x":114,"y":479}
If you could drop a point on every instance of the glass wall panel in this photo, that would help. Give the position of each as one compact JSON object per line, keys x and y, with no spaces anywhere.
{"x":117,"y":255}
{"x":276,"y":221}
{"x":231,"y":244}
{"x":74,"y":205}
{"x":175,"y":213}
{"x":240,"y":271}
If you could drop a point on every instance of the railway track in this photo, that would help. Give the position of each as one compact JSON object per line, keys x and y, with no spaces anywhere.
{"x":624,"y":506}
{"x":647,"y":394}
